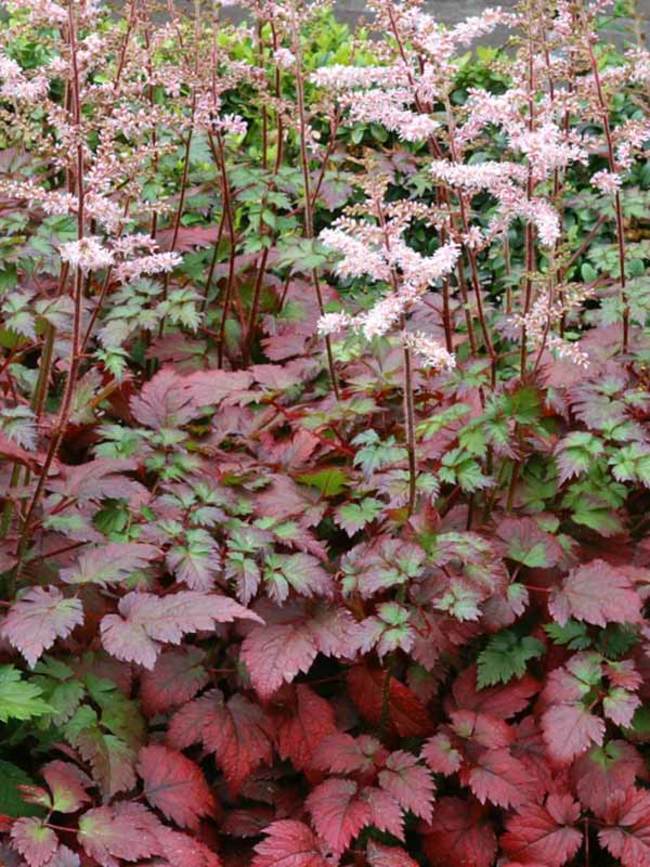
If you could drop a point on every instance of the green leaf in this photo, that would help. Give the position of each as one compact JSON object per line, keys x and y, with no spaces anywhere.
{"x":11,"y":802}
{"x":505,"y":657}
{"x":354,"y":516}
{"x":430,"y":426}
{"x":375,"y":453}
{"x":18,"y":698}
{"x":573,"y":634}
{"x":330,"y":481}
{"x":631,"y":464}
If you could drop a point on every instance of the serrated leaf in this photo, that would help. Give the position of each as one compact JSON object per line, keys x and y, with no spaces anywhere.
{"x":175,"y":785}
{"x":505,"y":657}
{"x":38,"y":618}
{"x":19,"y":699}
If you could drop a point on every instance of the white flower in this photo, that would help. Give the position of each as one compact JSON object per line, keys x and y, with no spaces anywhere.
{"x":607,"y":182}
{"x":284,"y":58}
{"x":332,"y":323}
{"x":88,"y":254}
{"x":432,"y":353}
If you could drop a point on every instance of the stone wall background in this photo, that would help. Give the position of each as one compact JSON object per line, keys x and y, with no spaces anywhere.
{"x":453,"y":11}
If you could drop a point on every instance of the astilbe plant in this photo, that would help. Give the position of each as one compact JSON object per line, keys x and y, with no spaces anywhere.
{"x":324,"y":437}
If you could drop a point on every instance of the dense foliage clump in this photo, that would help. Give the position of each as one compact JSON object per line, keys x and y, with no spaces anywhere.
{"x":324,"y":437}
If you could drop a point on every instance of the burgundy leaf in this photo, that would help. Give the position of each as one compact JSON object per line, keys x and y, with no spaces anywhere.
{"x":236,"y":731}
{"x":337,"y":812}
{"x":175,"y":785}
{"x":34,"y":840}
{"x":545,"y":834}
{"x":146,"y":620}
{"x":175,"y":679}
{"x":38,"y":618}
{"x":289,"y":844}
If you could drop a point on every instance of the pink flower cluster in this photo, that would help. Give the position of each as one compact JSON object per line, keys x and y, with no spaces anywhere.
{"x":432,"y":353}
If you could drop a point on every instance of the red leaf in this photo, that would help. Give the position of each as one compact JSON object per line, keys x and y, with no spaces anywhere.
{"x":300,"y":731}
{"x":409,"y":783}
{"x":145,"y":620}
{"x":605,"y":771}
{"x":164,"y":401}
{"x":568,"y":726}
{"x":337,"y":812}
{"x":502,"y":779}
{"x":276,"y":653}
{"x":35,"y":842}
{"x":208,"y":387}
{"x":125,"y":830}
{"x":289,"y":844}
{"x":236,"y":731}
{"x":341,"y":753}
{"x":569,"y":729}
{"x":544,"y":833}
{"x":181,"y":850}
{"x":109,"y":564}
{"x":459,"y":835}
{"x":385,"y":812}
{"x":175,"y":679}
{"x":188,"y":237}
{"x":497,"y":701}
{"x":406,"y":714}
{"x":387,"y":856}
{"x":628,"y":835}
{"x":38,"y":618}
{"x":596,"y":593}
{"x":97,"y":480}
{"x":175,"y":785}
{"x":482,"y":729}
{"x":67,"y":784}
{"x":441,"y":755}
{"x":13,"y":452}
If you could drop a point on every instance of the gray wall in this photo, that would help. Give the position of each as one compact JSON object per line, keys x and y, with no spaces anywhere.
{"x":448,"y":11}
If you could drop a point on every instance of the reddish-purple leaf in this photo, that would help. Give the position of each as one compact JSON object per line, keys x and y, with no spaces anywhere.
{"x":459,"y":835}
{"x":301,"y":727}
{"x":385,"y":812}
{"x":164,"y":401}
{"x":627,"y":831}
{"x":181,"y":850}
{"x":103,"y":478}
{"x":125,"y":831}
{"x":175,"y":785}
{"x":441,"y":756}
{"x":379,"y":855}
{"x":341,"y":753}
{"x":146,"y":620}
{"x":500,"y":778}
{"x":337,"y":812}
{"x":289,"y":844}
{"x":569,"y":730}
{"x":175,"y":679}
{"x":497,"y":701}
{"x":34,"y":840}
{"x":208,"y":387}
{"x":236,"y":731}
{"x":67,"y":784}
{"x":108,"y":564}
{"x":405,"y":713}
{"x":38,"y":618}
{"x":276,"y":653}
{"x":596,"y":593}
{"x":544,"y":834}
{"x":482,"y":729}
{"x":619,"y":705}
{"x":605,"y":771}
{"x":409,"y":783}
